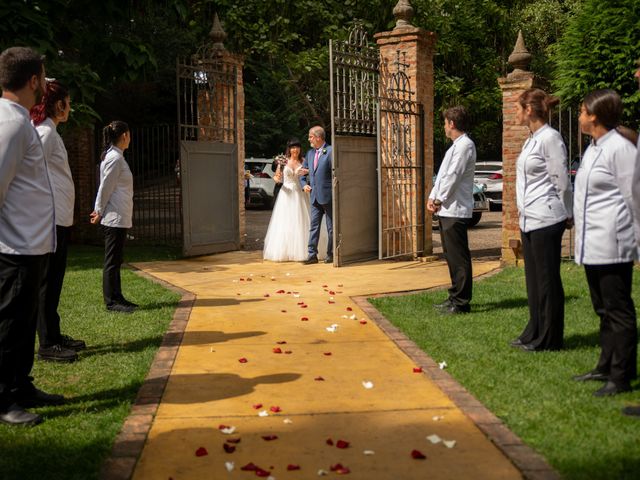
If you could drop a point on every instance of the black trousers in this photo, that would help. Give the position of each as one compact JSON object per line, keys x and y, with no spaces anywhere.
{"x":455,"y":245}
{"x":20,"y":279}
{"x":542,"y":250}
{"x":610,"y":288}
{"x":113,"y":256}
{"x":48,"y":317}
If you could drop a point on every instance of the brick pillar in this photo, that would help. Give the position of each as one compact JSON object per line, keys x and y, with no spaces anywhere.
{"x":219,"y":107}
{"x":416,"y":47}
{"x":513,"y":137}
{"x":80,"y":145}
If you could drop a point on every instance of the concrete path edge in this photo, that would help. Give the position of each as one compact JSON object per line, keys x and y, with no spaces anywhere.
{"x":130,"y":442}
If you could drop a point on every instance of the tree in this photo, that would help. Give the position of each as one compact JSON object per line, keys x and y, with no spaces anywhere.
{"x":598,"y":50}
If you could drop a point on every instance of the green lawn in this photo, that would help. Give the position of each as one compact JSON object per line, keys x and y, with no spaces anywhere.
{"x":583,"y":437}
{"x":75,"y":438}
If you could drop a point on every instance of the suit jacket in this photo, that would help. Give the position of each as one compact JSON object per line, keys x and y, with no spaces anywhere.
{"x":320,"y":179}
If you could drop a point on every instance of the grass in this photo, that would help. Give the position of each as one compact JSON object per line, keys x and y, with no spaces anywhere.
{"x":581,"y":436}
{"x":75,"y":438}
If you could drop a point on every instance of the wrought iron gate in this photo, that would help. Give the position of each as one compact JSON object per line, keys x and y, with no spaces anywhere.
{"x":354,"y":91}
{"x":400,"y":164}
{"x":207,"y":126}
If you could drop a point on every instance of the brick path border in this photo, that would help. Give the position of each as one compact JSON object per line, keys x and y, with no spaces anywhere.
{"x":129,"y":443}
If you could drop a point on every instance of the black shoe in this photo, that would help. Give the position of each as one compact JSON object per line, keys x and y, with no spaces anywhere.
{"x":631,"y":411}
{"x":119,"y":308}
{"x":34,"y":397}
{"x":611,"y":388}
{"x":72,"y":344}
{"x":592,"y":375}
{"x":517,"y":343}
{"x":57,"y":353}
{"x":310,"y":260}
{"x":446,"y":304}
{"x":127,"y":303}
{"x":328,"y":259}
{"x":527,"y":347}
{"x":16,"y":415}
{"x":455,"y":310}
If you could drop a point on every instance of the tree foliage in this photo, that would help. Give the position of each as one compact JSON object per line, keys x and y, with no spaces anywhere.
{"x":599,"y":49}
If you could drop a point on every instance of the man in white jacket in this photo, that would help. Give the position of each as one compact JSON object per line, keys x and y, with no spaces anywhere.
{"x":452,"y":199}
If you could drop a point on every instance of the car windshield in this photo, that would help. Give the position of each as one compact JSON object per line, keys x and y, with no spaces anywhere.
{"x":488,"y":168}
{"x":255,"y":167}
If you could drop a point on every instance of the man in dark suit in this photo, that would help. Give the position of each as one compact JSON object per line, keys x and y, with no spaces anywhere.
{"x":319,"y":163}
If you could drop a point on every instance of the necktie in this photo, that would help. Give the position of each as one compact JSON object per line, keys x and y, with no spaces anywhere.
{"x":315,"y":161}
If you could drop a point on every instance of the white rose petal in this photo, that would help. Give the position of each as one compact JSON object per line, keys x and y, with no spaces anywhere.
{"x":322,"y":473}
{"x":443,"y":365}
{"x":367,"y":384}
{"x":437,"y":418}
{"x":369,"y":452}
{"x":434,"y":438}
{"x":263,"y":413}
{"x":287,"y":420}
{"x":353,"y":317}
{"x":449,"y":443}
{"x":229,"y":466}
{"x":228,"y":430}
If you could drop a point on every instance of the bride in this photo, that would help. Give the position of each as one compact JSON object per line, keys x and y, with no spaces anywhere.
{"x":288,"y":233}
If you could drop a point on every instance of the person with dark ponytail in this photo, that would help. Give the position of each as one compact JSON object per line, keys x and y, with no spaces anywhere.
{"x":52,"y":110}
{"x":543,"y":196}
{"x":114,"y":210}
{"x":605,"y":217}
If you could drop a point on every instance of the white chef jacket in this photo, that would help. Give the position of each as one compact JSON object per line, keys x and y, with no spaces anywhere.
{"x":114,"y":201}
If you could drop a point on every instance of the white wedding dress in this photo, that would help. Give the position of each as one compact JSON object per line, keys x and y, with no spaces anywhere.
{"x":288,"y":232}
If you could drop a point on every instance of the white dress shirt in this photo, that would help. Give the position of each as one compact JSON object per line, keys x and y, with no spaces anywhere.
{"x":543,"y":192}
{"x":636,"y":195}
{"x":603,"y":209}
{"x":58,"y":163}
{"x":454,"y":183}
{"x":27,"y":218}
{"x":114,"y":201}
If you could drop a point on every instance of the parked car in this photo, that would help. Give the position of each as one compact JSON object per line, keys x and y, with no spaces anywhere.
{"x":480,"y":204}
{"x":262,"y":186}
{"x":490,"y":173}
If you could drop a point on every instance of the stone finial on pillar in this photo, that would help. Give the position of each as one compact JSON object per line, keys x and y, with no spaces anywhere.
{"x":403,"y":13}
{"x":520,"y":58}
{"x":217,"y":34}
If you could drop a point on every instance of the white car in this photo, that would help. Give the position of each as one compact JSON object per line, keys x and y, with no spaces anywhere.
{"x":262,"y":186}
{"x":490,"y":173}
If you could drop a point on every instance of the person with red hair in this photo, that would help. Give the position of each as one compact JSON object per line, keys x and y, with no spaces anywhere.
{"x":52,"y":110}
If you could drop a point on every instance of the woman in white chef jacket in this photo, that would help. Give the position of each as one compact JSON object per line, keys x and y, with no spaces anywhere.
{"x":605,"y":244}
{"x":544,"y":204}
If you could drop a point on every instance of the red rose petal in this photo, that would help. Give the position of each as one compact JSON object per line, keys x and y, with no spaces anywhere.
{"x":233,"y":440}
{"x":417,"y":370}
{"x":238,"y":294}
{"x":304,"y":306}
{"x":229,"y":448}
{"x":268,"y":438}
{"x":242,"y":279}
{"x":291,"y":467}
{"x":275,"y":409}
{"x":328,"y":354}
{"x":331,"y":301}
{"x":325,"y":286}
{"x":280,"y":291}
{"x":304,"y":319}
{"x":243,"y":360}
{"x":277,"y":350}
{"x":349,"y":309}
{"x":340,"y":285}
{"x":267,"y":295}
{"x":257,"y":406}
{"x":418,"y":455}
{"x":222,"y":427}
{"x":308,"y":281}
{"x":201,"y":452}
{"x":261,"y":473}
{"x":300,"y":303}
{"x":288,"y":293}
{"x":249,"y":467}
{"x":339,"y":469}
{"x":342,"y":444}
{"x":283,"y":311}
{"x":288,"y":352}
{"x":249,"y":279}
{"x":331,"y":292}
{"x":329,"y":441}
{"x":363,"y":322}
{"x":319,"y":379}
{"x":281,"y":342}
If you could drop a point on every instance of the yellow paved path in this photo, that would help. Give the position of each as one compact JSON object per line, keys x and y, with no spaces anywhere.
{"x":239,"y":314}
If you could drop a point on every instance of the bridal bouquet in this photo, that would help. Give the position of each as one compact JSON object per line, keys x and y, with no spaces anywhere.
{"x":281,"y":160}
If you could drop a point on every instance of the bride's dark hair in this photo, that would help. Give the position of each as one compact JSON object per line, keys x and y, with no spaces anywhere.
{"x":294,"y":142}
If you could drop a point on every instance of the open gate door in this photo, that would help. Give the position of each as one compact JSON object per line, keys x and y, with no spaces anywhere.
{"x":207,"y":122}
{"x":354,"y":91}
